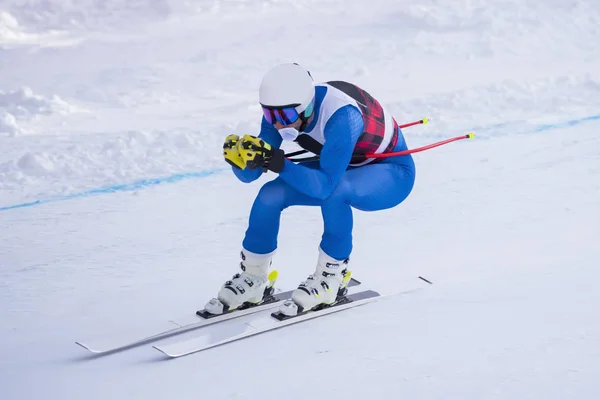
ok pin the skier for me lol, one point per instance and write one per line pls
(342, 123)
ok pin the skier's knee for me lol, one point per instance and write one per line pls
(273, 194)
(341, 194)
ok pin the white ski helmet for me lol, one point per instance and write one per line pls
(288, 85)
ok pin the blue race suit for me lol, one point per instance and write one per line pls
(329, 183)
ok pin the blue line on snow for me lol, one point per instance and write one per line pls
(145, 183)
(565, 124)
(141, 184)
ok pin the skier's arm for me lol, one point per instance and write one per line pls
(341, 133)
(269, 134)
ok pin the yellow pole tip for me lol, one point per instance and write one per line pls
(471, 135)
(425, 120)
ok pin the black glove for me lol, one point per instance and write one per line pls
(257, 153)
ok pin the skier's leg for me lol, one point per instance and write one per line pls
(381, 186)
(368, 188)
(263, 226)
(259, 246)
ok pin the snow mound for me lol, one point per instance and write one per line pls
(64, 164)
(36, 164)
(106, 15)
(86, 14)
(8, 124)
(8, 24)
(506, 106)
(13, 34)
(24, 105)
(10, 31)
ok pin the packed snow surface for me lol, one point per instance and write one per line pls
(117, 212)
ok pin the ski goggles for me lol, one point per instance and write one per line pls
(284, 115)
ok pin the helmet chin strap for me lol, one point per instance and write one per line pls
(304, 120)
(304, 123)
(303, 116)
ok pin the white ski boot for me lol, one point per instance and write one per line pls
(245, 288)
(321, 288)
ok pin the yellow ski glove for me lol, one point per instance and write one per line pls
(257, 153)
(232, 153)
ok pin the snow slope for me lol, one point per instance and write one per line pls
(117, 212)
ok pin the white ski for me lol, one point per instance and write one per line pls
(182, 325)
(198, 344)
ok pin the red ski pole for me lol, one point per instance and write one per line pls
(470, 135)
(422, 121)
